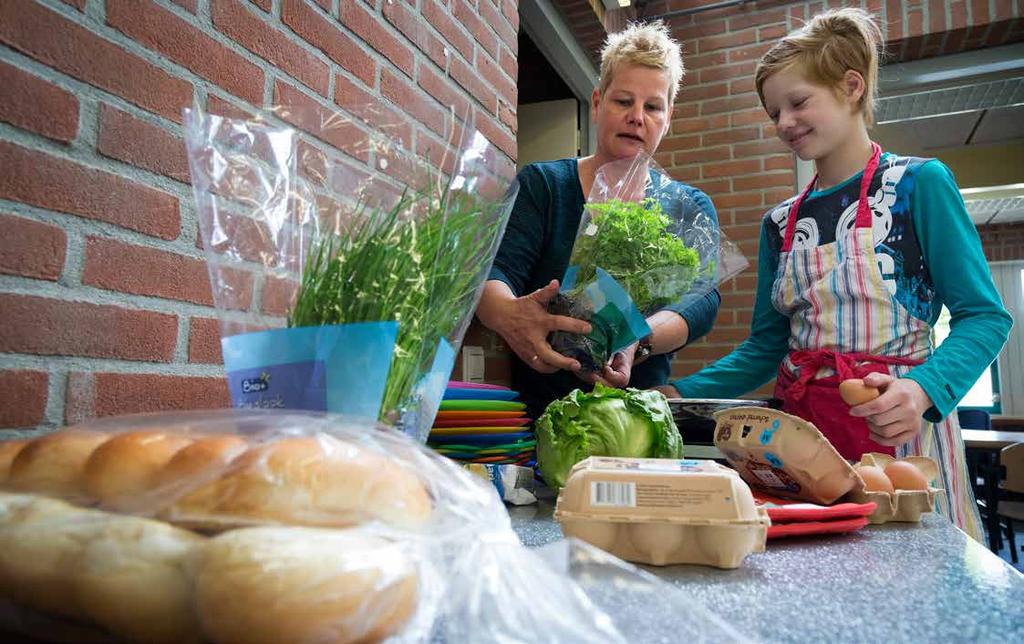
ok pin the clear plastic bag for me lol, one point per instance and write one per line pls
(345, 268)
(643, 245)
(263, 526)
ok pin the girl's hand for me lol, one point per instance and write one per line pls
(526, 323)
(895, 417)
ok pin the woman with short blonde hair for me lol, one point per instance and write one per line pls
(641, 69)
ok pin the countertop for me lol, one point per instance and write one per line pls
(900, 582)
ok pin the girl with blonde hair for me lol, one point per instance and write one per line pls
(854, 271)
(641, 68)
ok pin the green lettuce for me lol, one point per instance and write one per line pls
(605, 422)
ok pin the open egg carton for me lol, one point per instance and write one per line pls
(789, 457)
(662, 511)
(901, 505)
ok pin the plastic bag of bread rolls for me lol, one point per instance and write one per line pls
(253, 526)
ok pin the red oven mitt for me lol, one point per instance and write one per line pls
(793, 518)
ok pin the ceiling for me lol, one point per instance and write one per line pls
(968, 111)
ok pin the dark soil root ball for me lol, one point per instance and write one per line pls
(586, 350)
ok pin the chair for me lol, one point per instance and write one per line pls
(974, 418)
(1011, 459)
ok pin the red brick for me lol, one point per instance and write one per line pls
(204, 341)
(699, 29)
(712, 187)
(51, 39)
(464, 75)
(328, 37)
(162, 31)
(700, 124)
(733, 135)
(510, 9)
(266, 5)
(731, 168)
(95, 395)
(437, 15)
(487, 126)
(467, 15)
(49, 182)
(45, 326)
(365, 25)
(360, 103)
(242, 237)
(766, 180)
(701, 155)
(260, 37)
(738, 200)
(278, 295)
(509, 63)
(492, 17)
(675, 142)
(780, 162)
(24, 398)
(412, 26)
(435, 151)
(771, 34)
(759, 148)
(757, 17)
(408, 98)
(36, 105)
(727, 72)
(703, 92)
(222, 107)
(492, 74)
(116, 266)
(731, 104)
(187, 5)
(126, 138)
(749, 53)
(441, 89)
(507, 115)
(31, 249)
(306, 114)
(706, 60)
(727, 40)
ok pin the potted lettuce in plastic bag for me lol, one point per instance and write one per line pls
(643, 244)
(344, 267)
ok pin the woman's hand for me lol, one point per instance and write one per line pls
(524, 324)
(617, 371)
(895, 417)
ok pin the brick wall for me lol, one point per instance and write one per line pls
(1003, 242)
(722, 142)
(105, 304)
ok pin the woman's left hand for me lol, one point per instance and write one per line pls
(895, 417)
(617, 372)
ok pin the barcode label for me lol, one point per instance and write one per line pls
(622, 495)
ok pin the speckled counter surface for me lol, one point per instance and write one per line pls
(894, 582)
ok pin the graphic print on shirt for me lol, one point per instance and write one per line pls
(831, 216)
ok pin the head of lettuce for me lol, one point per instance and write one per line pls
(604, 422)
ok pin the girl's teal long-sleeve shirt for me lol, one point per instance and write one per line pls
(951, 271)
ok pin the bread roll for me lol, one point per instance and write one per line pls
(53, 464)
(125, 467)
(8, 450)
(310, 481)
(40, 542)
(300, 585)
(135, 579)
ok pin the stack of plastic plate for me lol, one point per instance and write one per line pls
(481, 423)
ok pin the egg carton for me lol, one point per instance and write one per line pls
(662, 511)
(903, 505)
(783, 455)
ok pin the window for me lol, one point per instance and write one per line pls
(984, 394)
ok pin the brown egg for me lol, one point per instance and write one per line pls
(875, 479)
(855, 392)
(905, 476)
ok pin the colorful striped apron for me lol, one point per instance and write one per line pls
(844, 323)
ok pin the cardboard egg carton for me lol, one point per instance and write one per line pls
(903, 505)
(783, 455)
(662, 511)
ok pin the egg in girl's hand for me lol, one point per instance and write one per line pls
(905, 476)
(854, 392)
(875, 479)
